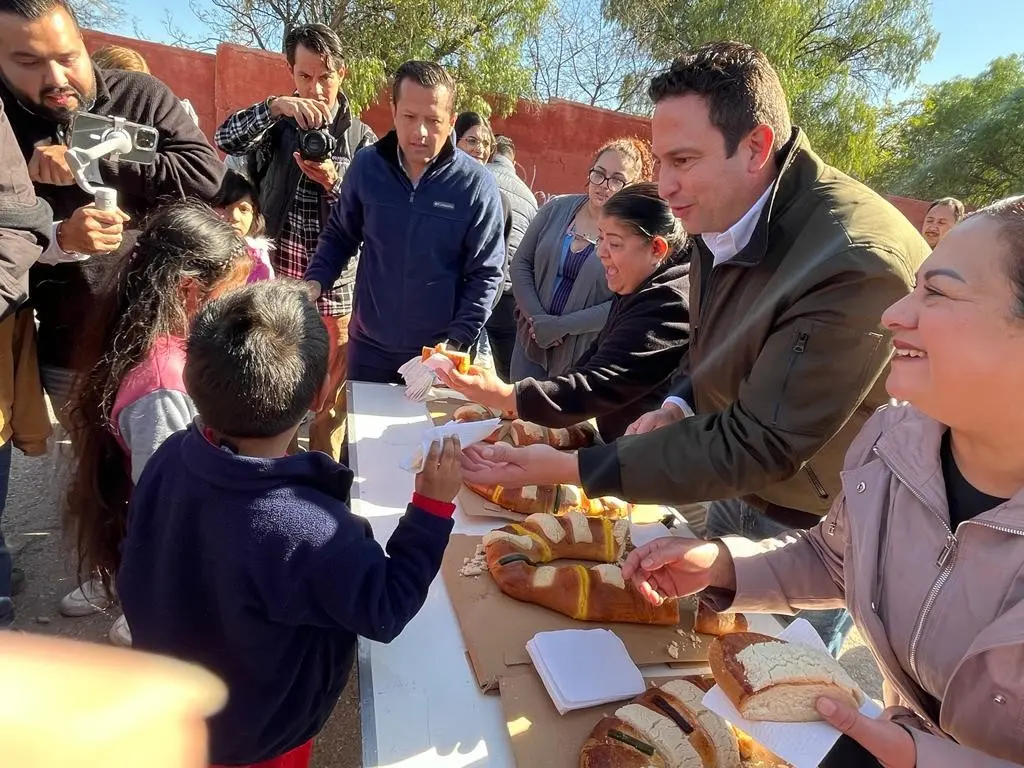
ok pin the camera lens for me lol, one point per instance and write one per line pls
(145, 140)
(315, 145)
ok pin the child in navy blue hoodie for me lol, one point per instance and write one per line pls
(248, 561)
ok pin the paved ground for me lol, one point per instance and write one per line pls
(32, 526)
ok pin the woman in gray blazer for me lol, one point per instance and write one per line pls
(562, 297)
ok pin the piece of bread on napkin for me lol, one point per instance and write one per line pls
(772, 680)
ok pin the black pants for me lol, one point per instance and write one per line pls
(366, 363)
(501, 329)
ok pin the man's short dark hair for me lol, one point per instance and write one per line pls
(256, 359)
(739, 84)
(317, 38)
(952, 202)
(427, 74)
(503, 146)
(34, 10)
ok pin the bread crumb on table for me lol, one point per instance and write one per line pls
(475, 565)
(673, 649)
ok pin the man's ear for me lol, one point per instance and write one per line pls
(761, 145)
(342, 72)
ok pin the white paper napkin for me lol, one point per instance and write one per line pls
(803, 745)
(644, 533)
(584, 668)
(418, 379)
(468, 432)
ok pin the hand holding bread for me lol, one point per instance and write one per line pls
(673, 567)
(481, 385)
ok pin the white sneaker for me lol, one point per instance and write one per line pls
(89, 598)
(120, 634)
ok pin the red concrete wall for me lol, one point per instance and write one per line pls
(191, 75)
(555, 142)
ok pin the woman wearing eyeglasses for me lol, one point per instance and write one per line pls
(473, 135)
(562, 297)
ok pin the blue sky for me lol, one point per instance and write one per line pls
(971, 33)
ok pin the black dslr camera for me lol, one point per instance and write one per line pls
(316, 144)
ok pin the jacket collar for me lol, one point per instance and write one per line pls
(799, 167)
(502, 162)
(910, 444)
(224, 469)
(387, 148)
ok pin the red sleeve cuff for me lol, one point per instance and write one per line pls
(443, 509)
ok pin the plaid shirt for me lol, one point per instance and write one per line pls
(241, 134)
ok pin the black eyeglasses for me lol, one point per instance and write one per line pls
(473, 142)
(614, 183)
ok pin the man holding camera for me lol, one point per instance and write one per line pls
(298, 148)
(46, 78)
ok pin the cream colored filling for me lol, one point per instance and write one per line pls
(544, 576)
(580, 528)
(610, 574)
(766, 664)
(665, 735)
(549, 526)
(524, 543)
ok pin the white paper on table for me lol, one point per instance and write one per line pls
(803, 745)
(644, 533)
(584, 667)
(468, 432)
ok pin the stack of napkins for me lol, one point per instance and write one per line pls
(584, 668)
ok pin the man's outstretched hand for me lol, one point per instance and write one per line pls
(503, 464)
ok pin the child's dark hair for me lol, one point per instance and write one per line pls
(256, 359)
(181, 241)
(236, 188)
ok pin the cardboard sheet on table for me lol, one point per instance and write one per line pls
(477, 506)
(542, 737)
(495, 627)
(441, 411)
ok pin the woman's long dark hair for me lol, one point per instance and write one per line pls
(144, 301)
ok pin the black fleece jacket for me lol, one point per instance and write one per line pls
(186, 166)
(626, 371)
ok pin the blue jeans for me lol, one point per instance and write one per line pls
(6, 606)
(523, 367)
(736, 517)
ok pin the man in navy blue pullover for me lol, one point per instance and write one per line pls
(430, 223)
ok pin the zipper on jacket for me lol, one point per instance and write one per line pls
(945, 561)
(818, 487)
(799, 347)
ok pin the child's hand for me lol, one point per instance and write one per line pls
(441, 476)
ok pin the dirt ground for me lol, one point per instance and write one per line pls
(32, 526)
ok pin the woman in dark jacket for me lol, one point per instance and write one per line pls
(646, 258)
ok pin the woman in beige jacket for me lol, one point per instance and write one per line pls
(926, 544)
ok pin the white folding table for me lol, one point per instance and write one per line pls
(420, 704)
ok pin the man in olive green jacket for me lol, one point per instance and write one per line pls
(797, 262)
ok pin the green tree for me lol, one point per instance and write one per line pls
(963, 137)
(479, 41)
(837, 59)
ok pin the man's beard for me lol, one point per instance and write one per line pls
(61, 115)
